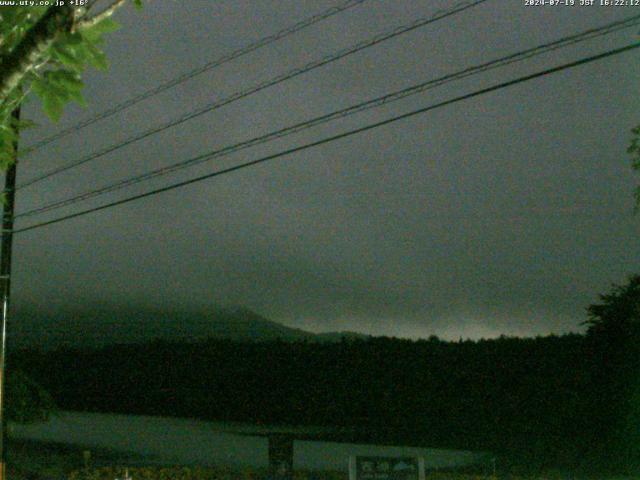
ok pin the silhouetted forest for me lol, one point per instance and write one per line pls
(563, 400)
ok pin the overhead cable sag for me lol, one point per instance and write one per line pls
(439, 15)
(333, 138)
(367, 105)
(251, 47)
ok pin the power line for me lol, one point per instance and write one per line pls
(252, 47)
(374, 103)
(262, 86)
(339, 136)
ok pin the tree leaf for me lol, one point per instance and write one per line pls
(39, 87)
(7, 146)
(93, 33)
(79, 99)
(67, 85)
(65, 79)
(68, 57)
(53, 106)
(97, 58)
(72, 38)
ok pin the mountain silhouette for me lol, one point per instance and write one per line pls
(102, 325)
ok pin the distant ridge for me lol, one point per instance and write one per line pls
(105, 325)
(340, 336)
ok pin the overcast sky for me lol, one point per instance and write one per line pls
(507, 213)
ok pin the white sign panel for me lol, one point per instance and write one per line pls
(386, 468)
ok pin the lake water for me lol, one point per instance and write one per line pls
(162, 440)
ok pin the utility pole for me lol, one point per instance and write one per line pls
(5, 283)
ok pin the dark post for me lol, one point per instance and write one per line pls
(5, 286)
(281, 457)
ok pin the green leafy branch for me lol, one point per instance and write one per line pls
(634, 151)
(45, 51)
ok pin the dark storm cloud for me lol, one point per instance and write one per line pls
(506, 213)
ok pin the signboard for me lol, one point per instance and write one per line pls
(386, 468)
